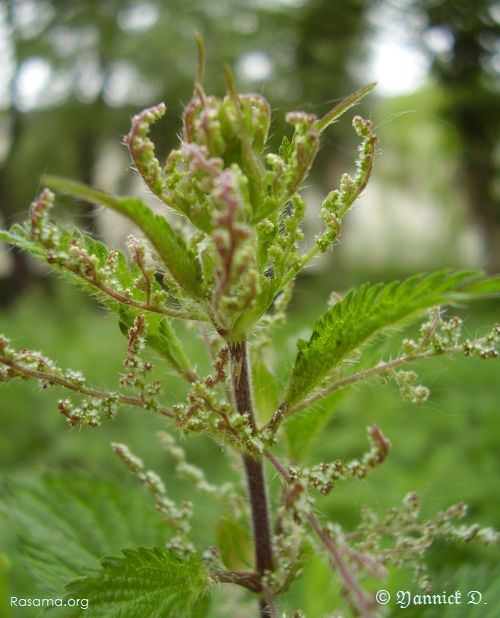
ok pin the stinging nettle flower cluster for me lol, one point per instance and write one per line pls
(242, 202)
(227, 266)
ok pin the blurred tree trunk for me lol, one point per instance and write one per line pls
(20, 275)
(475, 115)
(466, 71)
(77, 123)
(480, 170)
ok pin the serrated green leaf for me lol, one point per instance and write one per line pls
(154, 582)
(285, 149)
(66, 524)
(125, 274)
(369, 310)
(303, 428)
(160, 334)
(170, 246)
(265, 391)
(171, 346)
(318, 591)
(485, 287)
(235, 543)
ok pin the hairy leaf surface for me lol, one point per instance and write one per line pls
(124, 273)
(66, 524)
(154, 582)
(266, 391)
(371, 309)
(169, 245)
(160, 335)
(234, 542)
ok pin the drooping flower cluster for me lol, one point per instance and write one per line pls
(324, 476)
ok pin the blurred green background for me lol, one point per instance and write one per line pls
(74, 72)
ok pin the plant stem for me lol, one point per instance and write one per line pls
(254, 470)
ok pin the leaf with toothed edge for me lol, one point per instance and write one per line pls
(65, 524)
(161, 337)
(146, 581)
(371, 309)
(160, 334)
(169, 245)
(124, 273)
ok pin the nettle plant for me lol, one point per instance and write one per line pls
(227, 266)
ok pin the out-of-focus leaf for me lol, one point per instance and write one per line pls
(66, 524)
(265, 391)
(480, 593)
(160, 334)
(235, 543)
(147, 581)
(304, 427)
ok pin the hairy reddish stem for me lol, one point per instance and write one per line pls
(254, 470)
